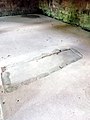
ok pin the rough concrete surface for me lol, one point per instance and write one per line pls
(64, 94)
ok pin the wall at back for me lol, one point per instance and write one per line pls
(75, 12)
(15, 7)
(71, 11)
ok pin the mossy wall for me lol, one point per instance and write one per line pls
(15, 7)
(71, 11)
(75, 12)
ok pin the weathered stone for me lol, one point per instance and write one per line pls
(10, 7)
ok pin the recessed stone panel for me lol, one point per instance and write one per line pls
(37, 68)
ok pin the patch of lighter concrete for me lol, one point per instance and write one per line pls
(1, 112)
(87, 92)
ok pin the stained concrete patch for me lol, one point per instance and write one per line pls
(33, 16)
(39, 67)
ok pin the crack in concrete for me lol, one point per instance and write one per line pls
(56, 51)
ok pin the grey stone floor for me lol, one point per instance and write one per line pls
(63, 95)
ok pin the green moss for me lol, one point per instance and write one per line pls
(69, 14)
(85, 21)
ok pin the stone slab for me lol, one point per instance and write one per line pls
(39, 67)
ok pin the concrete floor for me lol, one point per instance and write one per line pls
(63, 95)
